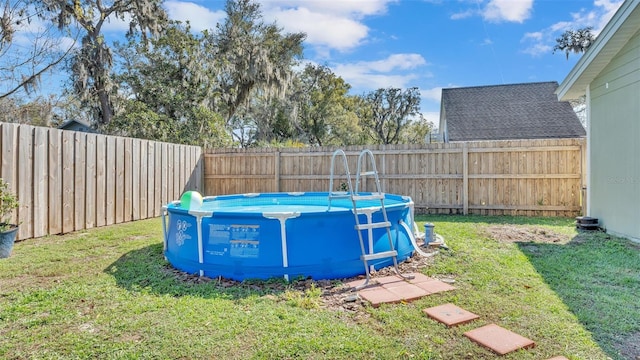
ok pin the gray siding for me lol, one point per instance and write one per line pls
(614, 147)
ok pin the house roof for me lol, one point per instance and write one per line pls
(70, 124)
(514, 111)
(618, 31)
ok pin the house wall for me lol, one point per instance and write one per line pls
(614, 148)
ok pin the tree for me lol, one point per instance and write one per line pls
(251, 56)
(22, 66)
(322, 109)
(576, 41)
(416, 131)
(388, 111)
(270, 121)
(170, 86)
(92, 63)
(37, 111)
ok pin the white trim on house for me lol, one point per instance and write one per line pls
(611, 39)
(587, 166)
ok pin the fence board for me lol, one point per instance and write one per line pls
(152, 182)
(119, 181)
(164, 178)
(101, 180)
(144, 178)
(68, 181)
(111, 169)
(40, 182)
(80, 177)
(55, 181)
(136, 168)
(25, 180)
(90, 181)
(128, 180)
(161, 178)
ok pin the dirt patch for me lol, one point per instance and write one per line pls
(629, 346)
(335, 294)
(514, 233)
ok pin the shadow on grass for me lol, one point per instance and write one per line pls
(146, 271)
(598, 278)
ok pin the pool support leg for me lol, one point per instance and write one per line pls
(282, 217)
(199, 214)
(200, 245)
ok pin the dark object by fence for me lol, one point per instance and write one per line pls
(587, 223)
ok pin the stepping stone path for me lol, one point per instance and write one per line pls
(498, 339)
(450, 315)
(394, 289)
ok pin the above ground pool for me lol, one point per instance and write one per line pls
(286, 235)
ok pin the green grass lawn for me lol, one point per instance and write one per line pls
(108, 293)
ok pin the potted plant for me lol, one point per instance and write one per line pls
(8, 232)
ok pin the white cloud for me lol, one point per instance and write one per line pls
(114, 24)
(463, 15)
(388, 72)
(486, 41)
(536, 44)
(397, 61)
(323, 29)
(432, 117)
(538, 49)
(377, 81)
(353, 8)
(328, 24)
(542, 42)
(198, 16)
(40, 34)
(508, 10)
(533, 35)
(433, 94)
(609, 9)
(597, 17)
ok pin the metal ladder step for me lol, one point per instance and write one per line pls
(379, 255)
(372, 196)
(384, 224)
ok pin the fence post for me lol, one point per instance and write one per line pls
(465, 179)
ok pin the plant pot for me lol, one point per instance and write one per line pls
(7, 239)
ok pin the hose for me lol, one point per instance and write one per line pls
(413, 241)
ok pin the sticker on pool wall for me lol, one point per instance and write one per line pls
(182, 227)
(236, 240)
(245, 241)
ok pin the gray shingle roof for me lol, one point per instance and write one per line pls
(514, 111)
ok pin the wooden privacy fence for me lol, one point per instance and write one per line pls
(68, 180)
(527, 177)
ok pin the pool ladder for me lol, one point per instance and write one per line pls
(367, 211)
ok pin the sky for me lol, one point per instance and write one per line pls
(428, 44)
